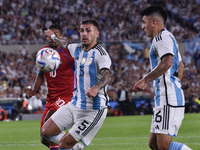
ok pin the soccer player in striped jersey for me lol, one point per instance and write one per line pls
(167, 71)
(87, 111)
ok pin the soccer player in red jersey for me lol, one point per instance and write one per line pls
(60, 83)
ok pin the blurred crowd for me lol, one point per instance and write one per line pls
(25, 20)
(17, 71)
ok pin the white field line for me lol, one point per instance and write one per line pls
(133, 143)
(120, 138)
(14, 145)
(37, 143)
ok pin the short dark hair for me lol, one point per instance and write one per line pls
(154, 9)
(56, 26)
(92, 21)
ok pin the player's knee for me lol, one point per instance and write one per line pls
(66, 142)
(45, 133)
(153, 146)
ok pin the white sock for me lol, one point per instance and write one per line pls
(57, 138)
(178, 146)
(185, 147)
(78, 146)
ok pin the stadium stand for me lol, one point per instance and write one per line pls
(25, 21)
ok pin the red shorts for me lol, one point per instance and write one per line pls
(53, 105)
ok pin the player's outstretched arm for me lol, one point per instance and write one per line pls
(106, 76)
(38, 82)
(61, 40)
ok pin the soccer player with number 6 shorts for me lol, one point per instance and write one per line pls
(60, 83)
(166, 74)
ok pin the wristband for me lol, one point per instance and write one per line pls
(53, 36)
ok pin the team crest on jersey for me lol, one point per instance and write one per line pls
(83, 61)
(90, 60)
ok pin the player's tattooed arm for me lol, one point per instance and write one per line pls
(62, 41)
(164, 65)
(106, 76)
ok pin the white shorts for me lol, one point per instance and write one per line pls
(85, 123)
(167, 120)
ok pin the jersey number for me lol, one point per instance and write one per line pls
(53, 74)
(81, 72)
(83, 125)
(158, 117)
(60, 102)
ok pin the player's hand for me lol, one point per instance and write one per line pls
(29, 92)
(92, 92)
(139, 86)
(48, 32)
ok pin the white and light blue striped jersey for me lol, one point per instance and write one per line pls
(168, 86)
(88, 65)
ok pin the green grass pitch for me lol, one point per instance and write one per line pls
(117, 133)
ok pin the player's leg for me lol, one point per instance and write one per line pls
(176, 117)
(43, 120)
(163, 141)
(165, 124)
(62, 119)
(85, 127)
(153, 141)
(51, 145)
(67, 141)
(50, 130)
(59, 121)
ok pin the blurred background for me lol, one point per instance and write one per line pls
(22, 25)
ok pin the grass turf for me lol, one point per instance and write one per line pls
(117, 133)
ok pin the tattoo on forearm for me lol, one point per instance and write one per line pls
(106, 76)
(159, 70)
(62, 41)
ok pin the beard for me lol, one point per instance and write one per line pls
(86, 45)
(53, 45)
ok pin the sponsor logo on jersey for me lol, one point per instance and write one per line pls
(78, 132)
(157, 127)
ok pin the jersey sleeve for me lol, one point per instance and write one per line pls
(72, 48)
(164, 45)
(103, 60)
(179, 56)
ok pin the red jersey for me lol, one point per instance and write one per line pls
(60, 82)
